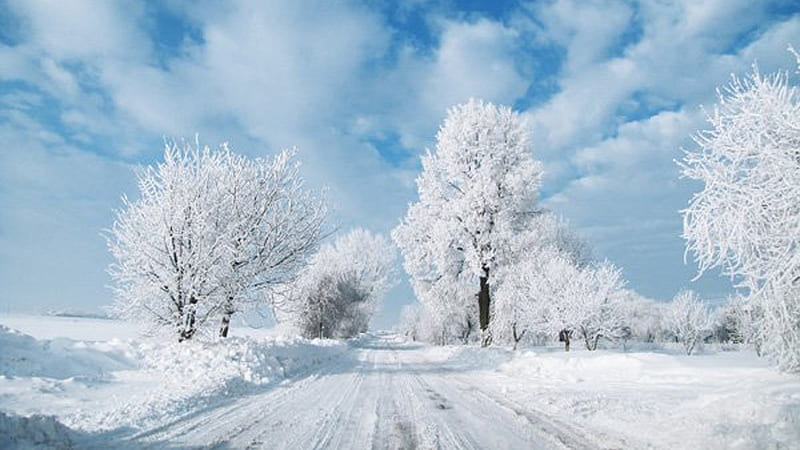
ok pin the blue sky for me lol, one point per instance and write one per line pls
(611, 89)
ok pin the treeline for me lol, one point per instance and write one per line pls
(489, 264)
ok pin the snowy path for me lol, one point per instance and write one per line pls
(387, 395)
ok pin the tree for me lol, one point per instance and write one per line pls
(270, 223)
(645, 316)
(476, 191)
(596, 304)
(687, 319)
(167, 244)
(338, 293)
(748, 316)
(210, 230)
(745, 220)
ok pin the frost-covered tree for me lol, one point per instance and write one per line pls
(167, 245)
(533, 292)
(210, 230)
(748, 318)
(536, 296)
(745, 219)
(645, 317)
(687, 319)
(339, 292)
(270, 224)
(595, 306)
(476, 192)
(410, 318)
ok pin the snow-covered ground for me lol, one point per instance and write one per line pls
(105, 385)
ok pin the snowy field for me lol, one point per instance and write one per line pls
(105, 386)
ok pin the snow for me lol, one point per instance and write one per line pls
(261, 389)
(665, 400)
(115, 384)
(78, 328)
(34, 432)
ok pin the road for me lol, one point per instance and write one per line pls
(385, 395)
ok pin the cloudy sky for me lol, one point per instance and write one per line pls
(612, 90)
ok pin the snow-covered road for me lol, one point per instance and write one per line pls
(384, 394)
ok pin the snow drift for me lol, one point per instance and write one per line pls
(132, 384)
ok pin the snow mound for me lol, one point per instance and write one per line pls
(40, 432)
(192, 375)
(24, 356)
(718, 401)
(577, 366)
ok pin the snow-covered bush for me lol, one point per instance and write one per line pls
(687, 319)
(745, 218)
(338, 293)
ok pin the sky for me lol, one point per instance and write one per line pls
(611, 90)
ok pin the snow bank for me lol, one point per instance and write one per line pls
(34, 432)
(192, 375)
(94, 386)
(663, 400)
(577, 367)
(24, 356)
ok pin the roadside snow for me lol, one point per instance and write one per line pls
(34, 432)
(663, 400)
(114, 384)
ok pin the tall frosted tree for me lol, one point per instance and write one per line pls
(477, 190)
(746, 218)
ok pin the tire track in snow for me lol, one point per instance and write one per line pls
(392, 397)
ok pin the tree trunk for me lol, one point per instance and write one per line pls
(587, 340)
(483, 309)
(517, 337)
(188, 326)
(226, 318)
(596, 340)
(563, 336)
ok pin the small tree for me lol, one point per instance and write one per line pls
(687, 318)
(338, 293)
(210, 230)
(749, 317)
(596, 307)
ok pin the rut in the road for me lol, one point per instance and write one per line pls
(385, 395)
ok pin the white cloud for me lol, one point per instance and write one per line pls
(82, 29)
(272, 75)
(588, 30)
